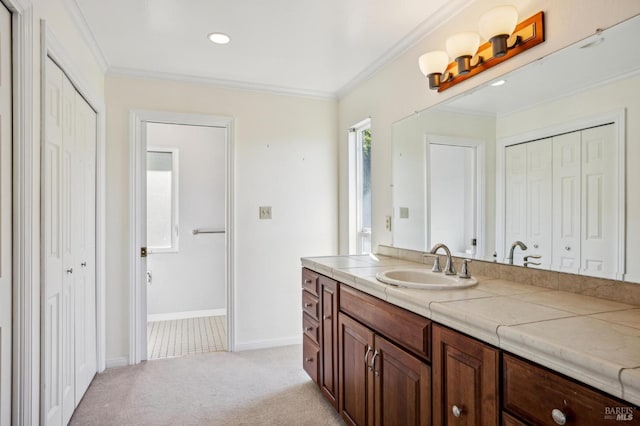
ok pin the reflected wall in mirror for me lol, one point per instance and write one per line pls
(593, 84)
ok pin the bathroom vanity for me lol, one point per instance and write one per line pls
(500, 352)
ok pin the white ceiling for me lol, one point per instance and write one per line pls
(317, 47)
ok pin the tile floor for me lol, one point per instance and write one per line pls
(172, 338)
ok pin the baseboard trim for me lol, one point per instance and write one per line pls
(186, 314)
(121, 361)
(264, 344)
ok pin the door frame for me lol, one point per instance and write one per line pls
(137, 166)
(479, 147)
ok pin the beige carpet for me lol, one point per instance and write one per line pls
(171, 338)
(263, 387)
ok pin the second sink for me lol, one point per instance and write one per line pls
(424, 279)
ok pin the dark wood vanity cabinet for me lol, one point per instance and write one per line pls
(465, 380)
(320, 332)
(535, 395)
(381, 382)
(380, 364)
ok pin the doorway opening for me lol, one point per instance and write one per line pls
(182, 292)
(186, 177)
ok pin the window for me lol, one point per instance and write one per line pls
(162, 200)
(361, 136)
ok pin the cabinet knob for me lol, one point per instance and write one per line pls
(308, 305)
(536, 245)
(309, 359)
(457, 411)
(83, 264)
(307, 281)
(70, 271)
(326, 317)
(558, 416)
(308, 329)
(567, 248)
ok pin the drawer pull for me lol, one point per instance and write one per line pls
(309, 359)
(307, 281)
(308, 305)
(326, 317)
(558, 416)
(457, 411)
(308, 329)
(366, 356)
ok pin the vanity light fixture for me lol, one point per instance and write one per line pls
(433, 66)
(219, 38)
(462, 47)
(496, 26)
(505, 38)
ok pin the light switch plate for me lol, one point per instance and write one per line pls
(404, 212)
(265, 212)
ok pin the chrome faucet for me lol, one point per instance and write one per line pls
(515, 244)
(448, 268)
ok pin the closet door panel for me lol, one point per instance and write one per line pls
(85, 302)
(538, 193)
(566, 202)
(515, 202)
(69, 224)
(599, 202)
(51, 398)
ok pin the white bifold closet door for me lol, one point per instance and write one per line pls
(69, 297)
(5, 215)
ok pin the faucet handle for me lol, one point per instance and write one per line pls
(532, 256)
(464, 269)
(436, 262)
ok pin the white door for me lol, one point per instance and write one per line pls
(599, 202)
(515, 199)
(538, 239)
(84, 204)
(5, 215)
(566, 228)
(51, 401)
(68, 241)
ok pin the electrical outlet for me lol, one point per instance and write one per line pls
(265, 212)
(388, 223)
(404, 212)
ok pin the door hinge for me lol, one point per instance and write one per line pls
(143, 252)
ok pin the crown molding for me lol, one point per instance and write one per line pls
(222, 83)
(88, 36)
(428, 26)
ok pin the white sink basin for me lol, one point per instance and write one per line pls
(424, 279)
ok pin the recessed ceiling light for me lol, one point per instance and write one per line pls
(219, 38)
(498, 83)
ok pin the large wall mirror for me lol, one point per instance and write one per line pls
(538, 169)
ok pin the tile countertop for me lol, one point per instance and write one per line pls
(594, 341)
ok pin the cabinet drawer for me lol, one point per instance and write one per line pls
(310, 358)
(532, 393)
(310, 304)
(508, 420)
(310, 328)
(310, 281)
(409, 330)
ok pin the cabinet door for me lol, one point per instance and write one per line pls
(329, 339)
(402, 386)
(356, 384)
(465, 380)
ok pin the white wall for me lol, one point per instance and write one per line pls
(193, 278)
(285, 157)
(399, 89)
(602, 100)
